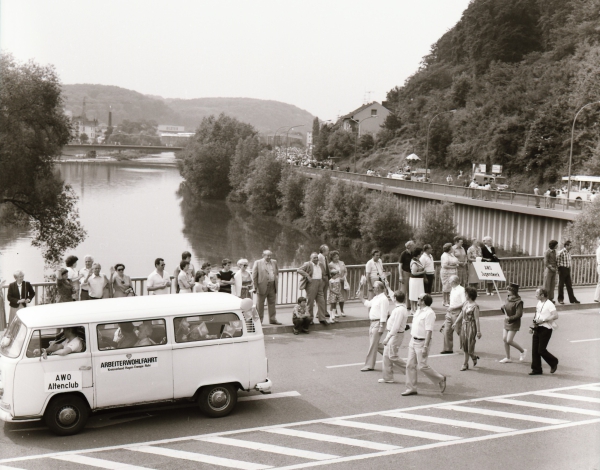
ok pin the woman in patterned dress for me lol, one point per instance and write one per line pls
(449, 267)
(471, 331)
(336, 264)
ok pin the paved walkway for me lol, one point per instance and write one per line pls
(357, 314)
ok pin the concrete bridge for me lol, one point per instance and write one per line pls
(147, 148)
(511, 219)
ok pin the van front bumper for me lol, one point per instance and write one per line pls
(8, 418)
(264, 387)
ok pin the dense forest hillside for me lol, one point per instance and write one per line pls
(516, 72)
(265, 116)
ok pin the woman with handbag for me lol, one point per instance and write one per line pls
(335, 264)
(544, 322)
(121, 283)
(513, 311)
(416, 287)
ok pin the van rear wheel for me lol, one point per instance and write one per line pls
(67, 415)
(217, 400)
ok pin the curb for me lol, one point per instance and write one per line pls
(356, 323)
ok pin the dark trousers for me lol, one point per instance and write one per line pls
(541, 338)
(405, 286)
(271, 297)
(550, 282)
(301, 323)
(314, 292)
(428, 282)
(564, 280)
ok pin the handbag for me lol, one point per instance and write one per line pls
(346, 284)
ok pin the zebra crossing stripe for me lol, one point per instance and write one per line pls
(94, 462)
(503, 414)
(316, 436)
(451, 422)
(394, 430)
(544, 406)
(568, 397)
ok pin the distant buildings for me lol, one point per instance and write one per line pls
(367, 119)
(173, 136)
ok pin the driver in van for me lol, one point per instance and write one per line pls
(127, 337)
(72, 344)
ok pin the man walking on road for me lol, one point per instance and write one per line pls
(457, 299)
(378, 314)
(396, 324)
(544, 322)
(312, 283)
(550, 269)
(563, 261)
(418, 348)
(265, 274)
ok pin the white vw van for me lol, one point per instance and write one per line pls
(59, 362)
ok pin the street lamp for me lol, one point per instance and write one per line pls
(427, 147)
(275, 136)
(287, 144)
(357, 134)
(571, 153)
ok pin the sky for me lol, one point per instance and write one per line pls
(327, 57)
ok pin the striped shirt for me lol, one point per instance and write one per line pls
(563, 259)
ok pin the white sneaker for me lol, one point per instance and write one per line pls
(523, 355)
(505, 360)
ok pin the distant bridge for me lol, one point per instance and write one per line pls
(511, 219)
(148, 148)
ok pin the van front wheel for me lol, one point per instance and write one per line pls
(217, 400)
(66, 415)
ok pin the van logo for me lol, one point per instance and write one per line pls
(128, 356)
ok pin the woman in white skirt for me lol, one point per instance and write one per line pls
(417, 274)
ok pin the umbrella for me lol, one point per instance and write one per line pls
(413, 156)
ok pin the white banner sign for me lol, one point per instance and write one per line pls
(489, 271)
(67, 381)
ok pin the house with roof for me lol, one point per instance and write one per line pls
(366, 120)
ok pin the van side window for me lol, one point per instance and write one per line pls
(131, 334)
(57, 341)
(206, 327)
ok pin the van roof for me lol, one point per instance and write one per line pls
(127, 309)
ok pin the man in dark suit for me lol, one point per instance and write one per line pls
(550, 271)
(20, 293)
(313, 274)
(264, 276)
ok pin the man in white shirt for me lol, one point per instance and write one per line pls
(544, 322)
(88, 261)
(159, 281)
(96, 283)
(378, 313)
(457, 299)
(396, 324)
(418, 348)
(374, 271)
(597, 294)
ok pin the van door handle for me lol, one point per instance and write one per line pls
(85, 368)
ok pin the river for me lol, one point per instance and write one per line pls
(133, 214)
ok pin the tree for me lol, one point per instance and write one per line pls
(585, 229)
(33, 130)
(341, 211)
(437, 226)
(384, 222)
(291, 187)
(245, 153)
(316, 126)
(261, 185)
(366, 142)
(83, 138)
(206, 160)
(341, 144)
(320, 152)
(392, 122)
(312, 203)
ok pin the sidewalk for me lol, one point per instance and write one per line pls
(358, 315)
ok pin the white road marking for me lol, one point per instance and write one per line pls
(451, 422)
(584, 340)
(99, 463)
(393, 430)
(504, 414)
(203, 458)
(544, 406)
(4, 467)
(437, 445)
(379, 362)
(305, 454)
(272, 395)
(568, 397)
(594, 388)
(325, 421)
(333, 439)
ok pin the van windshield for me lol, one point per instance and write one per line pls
(13, 339)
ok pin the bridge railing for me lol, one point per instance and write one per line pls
(528, 272)
(503, 197)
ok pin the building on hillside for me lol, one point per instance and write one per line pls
(366, 120)
(173, 136)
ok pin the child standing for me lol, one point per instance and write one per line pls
(300, 317)
(334, 295)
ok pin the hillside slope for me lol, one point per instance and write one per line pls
(265, 115)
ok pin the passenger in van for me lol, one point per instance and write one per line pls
(183, 330)
(71, 344)
(127, 337)
(144, 333)
(200, 333)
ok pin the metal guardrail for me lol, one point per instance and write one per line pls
(528, 272)
(502, 197)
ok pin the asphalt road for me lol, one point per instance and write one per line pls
(336, 402)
